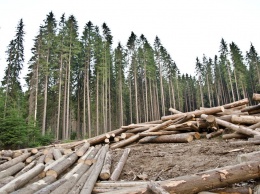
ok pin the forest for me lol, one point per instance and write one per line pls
(81, 84)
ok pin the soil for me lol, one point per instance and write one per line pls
(169, 160)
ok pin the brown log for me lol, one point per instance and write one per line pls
(41, 159)
(36, 186)
(256, 97)
(254, 126)
(177, 138)
(180, 127)
(197, 113)
(196, 135)
(156, 188)
(126, 135)
(49, 156)
(212, 124)
(116, 173)
(26, 168)
(254, 112)
(16, 154)
(201, 123)
(236, 190)
(7, 153)
(204, 181)
(250, 108)
(174, 111)
(101, 138)
(236, 103)
(133, 126)
(84, 157)
(215, 134)
(62, 166)
(245, 119)
(33, 157)
(234, 136)
(14, 161)
(11, 170)
(138, 130)
(22, 180)
(158, 133)
(56, 153)
(105, 172)
(92, 179)
(83, 149)
(240, 129)
(109, 184)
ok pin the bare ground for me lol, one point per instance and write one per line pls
(169, 160)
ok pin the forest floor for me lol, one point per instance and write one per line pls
(170, 160)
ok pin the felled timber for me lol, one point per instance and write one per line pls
(156, 188)
(14, 161)
(214, 134)
(106, 169)
(243, 143)
(234, 135)
(204, 181)
(12, 170)
(236, 103)
(249, 120)
(177, 138)
(248, 157)
(174, 111)
(115, 175)
(159, 133)
(256, 97)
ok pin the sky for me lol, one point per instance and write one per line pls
(186, 28)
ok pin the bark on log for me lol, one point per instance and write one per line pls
(105, 172)
(36, 186)
(174, 111)
(204, 181)
(177, 138)
(254, 126)
(119, 167)
(211, 121)
(33, 157)
(159, 133)
(109, 184)
(196, 135)
(91, 157)
(7, 153)
(51, 187)
(26, 168)
(41, 159)
(243, 143)
(56, 154)
(197, 113)
(236, 103)
(62, 166)
(215, 134)
(101, 138)
(84, 157)
(138, 130)
(156, 188)
(250, 108)
(5, 180)
(250, 120)
(49, 156)
(248, 157)
(22, 180)
(256, 97)
(12, 170)
(83, 149)
(234, 136)
(14, 161)
(89, 185)
(240, 129)
(126, 135)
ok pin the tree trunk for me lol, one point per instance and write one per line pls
(234, 136)
(14, 161)
(83, 149)
(156, 188)
(176, 138)
(115, 175)
(248, 157)
(250, 120)
(22, 180)
(59, 100)
(215, 134)
(256, 97)
(12, 170)
(105, 172)
(236, 103)
(45, 98)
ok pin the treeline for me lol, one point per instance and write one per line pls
(80, 86)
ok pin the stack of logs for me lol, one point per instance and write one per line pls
(77, 166)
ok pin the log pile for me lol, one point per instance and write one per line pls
(77, 167)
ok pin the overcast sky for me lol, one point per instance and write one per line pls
(187, 28)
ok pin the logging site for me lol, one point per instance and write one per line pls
(205, 151)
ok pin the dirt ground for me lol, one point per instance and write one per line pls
(169, 160)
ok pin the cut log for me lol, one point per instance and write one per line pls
(251, 108)
(240, 129)
(105, 172)
(250, 120)
(158, 133)
(215, 134)
(90, 159)
(174, 111)
(49, 156)
(5, 180)
(84, 157)
(41, 159)
(119, 167)
(7, 153)
(101, 138)
(254, 126)
(11, 170)
(56, 153)
(62, 166)
(243, 143)
(256, 97)
(51, 187)
(26, 168)
(109, 184)
(156, 188)
(20, 181)
(212, 124)
(197, 113)
(236, 103)
(36, 186)
(196, 135)
(177, 138)
(14, 161)
(126, 135)
(5, 158)
(248, 157)
(83, 149)
(205, 181)
(33, 157)
(234, 136)
(92, 179)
